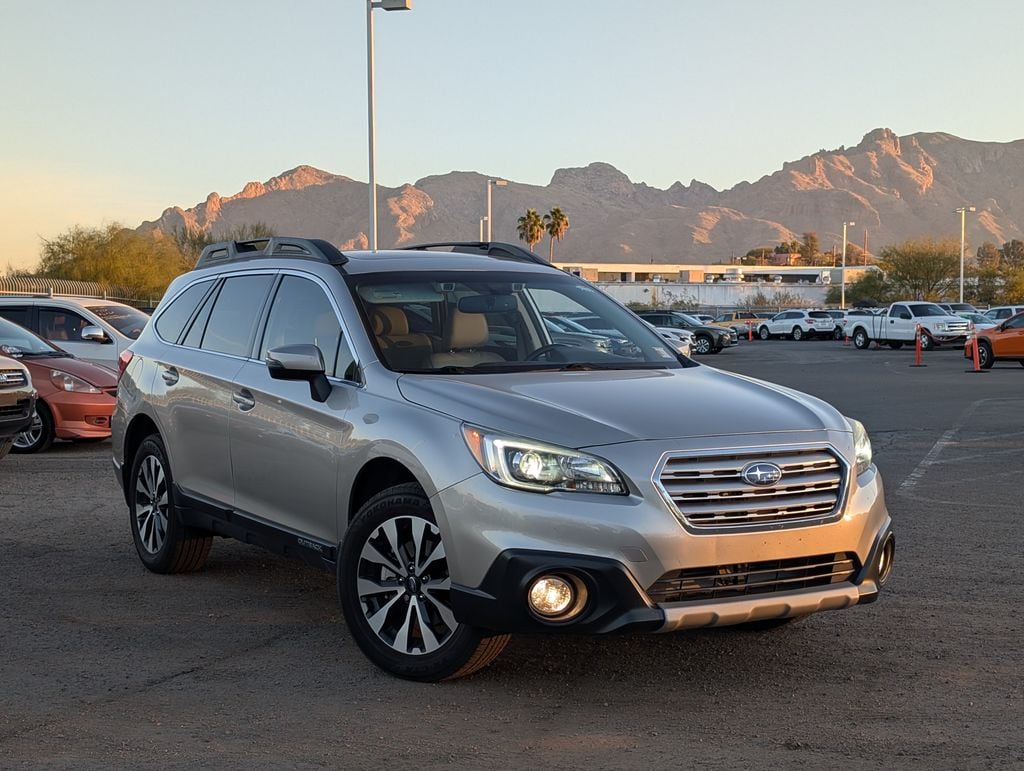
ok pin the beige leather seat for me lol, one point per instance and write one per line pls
(465, 333)
(401, 349)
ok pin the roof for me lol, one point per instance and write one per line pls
(81, 302)
(420, 260)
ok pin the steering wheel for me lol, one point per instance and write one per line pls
(544, 350)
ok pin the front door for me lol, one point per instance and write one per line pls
(64, 328)
(1010, 341)
(286, 448)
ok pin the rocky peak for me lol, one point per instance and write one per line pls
(597, 179)
(881, 139)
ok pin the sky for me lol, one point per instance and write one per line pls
(113, 110)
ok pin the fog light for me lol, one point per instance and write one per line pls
(885, 560)
(552, 596)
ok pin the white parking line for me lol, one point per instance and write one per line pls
(944, 441)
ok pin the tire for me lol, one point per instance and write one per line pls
(163, 543)
(6, 444)
(379, 556)
(40, 434)
(861, 339)
(764, 334)
(896, 345)
(927, 343)
(702, 344)
(985, 357)
(767, 624)
(797, 333)
(837, 333)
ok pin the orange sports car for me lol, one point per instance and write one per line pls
(1005, 341)
(76, 398)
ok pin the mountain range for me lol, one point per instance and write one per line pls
(897, 187)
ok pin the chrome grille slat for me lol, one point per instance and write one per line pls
(723, 581)
(708, 491)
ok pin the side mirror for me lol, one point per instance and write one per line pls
(94, 334)
(300, 362)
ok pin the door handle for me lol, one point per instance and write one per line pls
(243, 400)
(170, 375)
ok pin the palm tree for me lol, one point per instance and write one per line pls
(530, 228)
(556, 222)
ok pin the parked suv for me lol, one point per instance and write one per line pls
(706, 338)
(94, 330)
(475, 478)
(17, 402)
(799, 325)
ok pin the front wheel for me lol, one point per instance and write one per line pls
(837, 333)
(395, 592)
(702, 344)
(38, 436)
(861, 339)
(927, 343)
(985, 357)
(763, 333)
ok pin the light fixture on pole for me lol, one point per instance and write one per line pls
(842, 278)
(387, 5)
(496, 183)
(962, 211)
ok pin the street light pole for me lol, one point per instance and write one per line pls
(842, 278)
(387, 5)
(496, 183)
(962, 211)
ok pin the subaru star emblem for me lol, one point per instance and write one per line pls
(761, 474)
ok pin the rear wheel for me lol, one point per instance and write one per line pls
(797, 333)
(985, 357)
(702, 344)
(164, 544)
(837, 333)
(38, 436)
(763, 333)
(861, 339)
(395, 592)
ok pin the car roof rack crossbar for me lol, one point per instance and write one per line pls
(316, 249)
(497, 249)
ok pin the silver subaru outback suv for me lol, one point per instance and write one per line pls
(405, 419)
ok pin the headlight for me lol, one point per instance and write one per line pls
(539, 467)
(940, 326)
(861, 446)
(66, 382)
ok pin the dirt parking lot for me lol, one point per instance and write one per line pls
(249, 664)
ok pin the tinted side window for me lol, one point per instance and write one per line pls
(234, 314)
(59, 324)
(173, 319)
(16, 313)
(301, 313)
(1015, 323)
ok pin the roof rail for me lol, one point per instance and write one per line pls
(224, 252)
(498, 249)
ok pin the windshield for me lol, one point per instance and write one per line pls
(126, 320)
(16, 341)
(690, 319)
(927, 309)
(473, 322)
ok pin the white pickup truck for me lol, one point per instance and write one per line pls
(898, 325)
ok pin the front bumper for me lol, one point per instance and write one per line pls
(501, 539)
(81, 416)
(16, 413)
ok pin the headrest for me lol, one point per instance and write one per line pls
(389, 321)
(467, 330)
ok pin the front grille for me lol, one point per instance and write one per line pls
(19, 410)
(956, 328)
(750, 578)
(708, 491)
(11, 378)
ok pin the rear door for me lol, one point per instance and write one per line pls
(286, 448)
(194, 386)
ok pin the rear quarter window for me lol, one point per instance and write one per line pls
(172, 320)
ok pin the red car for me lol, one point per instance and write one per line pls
(76, 398)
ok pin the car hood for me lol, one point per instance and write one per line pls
(584, 409)
(94, 374)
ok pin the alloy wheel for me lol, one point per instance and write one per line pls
(404, 587)
(702, 344)
(151, 504)
(30, 436)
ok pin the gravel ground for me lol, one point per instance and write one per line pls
(249, 663)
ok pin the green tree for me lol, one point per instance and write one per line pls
(988, 255)
(871, 287)
(530, 228)
(1012, 254)
(556, 223)
(809, 248)
(923, 268)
